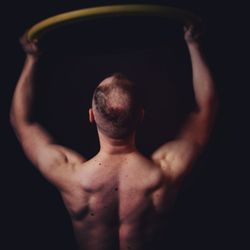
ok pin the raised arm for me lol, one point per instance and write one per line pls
(178, 156)
(53, 161)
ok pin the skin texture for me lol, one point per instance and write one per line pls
(117, 199)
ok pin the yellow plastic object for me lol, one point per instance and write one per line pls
(36, 31)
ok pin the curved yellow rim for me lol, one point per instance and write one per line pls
(36, 31)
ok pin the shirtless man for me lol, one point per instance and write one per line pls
(117, 199)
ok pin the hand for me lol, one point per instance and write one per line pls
(30, 47)
(192, 33)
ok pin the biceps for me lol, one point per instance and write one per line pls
(48, 157)
(54, 162)
(35, 141)
(184, 160)
(33, 138)
(53, 165)
(38, 147)
(176, 158)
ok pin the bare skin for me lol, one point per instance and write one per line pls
(117, 199)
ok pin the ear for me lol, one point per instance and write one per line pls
(91, 116)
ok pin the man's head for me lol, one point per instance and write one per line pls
(116, 107)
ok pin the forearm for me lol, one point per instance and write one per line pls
(22, 107)
(203, 82)
(22, 103)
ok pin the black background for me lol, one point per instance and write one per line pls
(210, 209)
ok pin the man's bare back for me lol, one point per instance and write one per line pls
(118, 202)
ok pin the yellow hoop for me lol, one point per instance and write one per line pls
(36, 31)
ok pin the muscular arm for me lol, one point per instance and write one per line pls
(177, 157)
(53, 161)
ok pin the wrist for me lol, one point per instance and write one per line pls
(193, 44)
(32, 58)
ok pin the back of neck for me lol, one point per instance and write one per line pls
(117, 146)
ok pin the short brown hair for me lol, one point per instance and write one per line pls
(118, 106)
